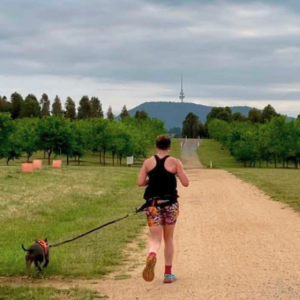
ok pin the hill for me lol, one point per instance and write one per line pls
(173, 113)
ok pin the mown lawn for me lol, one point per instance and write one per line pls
(62, 203)
(280, 184)
(21, 293)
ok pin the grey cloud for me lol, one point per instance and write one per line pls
(234, 43)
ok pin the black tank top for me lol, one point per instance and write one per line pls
(162, 183)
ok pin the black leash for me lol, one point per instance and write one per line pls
(150, 202)
(142, 208)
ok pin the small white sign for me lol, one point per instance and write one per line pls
(129, 160)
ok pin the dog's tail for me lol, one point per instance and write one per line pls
(24, 248)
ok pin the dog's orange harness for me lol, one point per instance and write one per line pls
(44, 245)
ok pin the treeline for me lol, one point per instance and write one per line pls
(30, 107)
(74, 138)
(252, 143)
(192, 126)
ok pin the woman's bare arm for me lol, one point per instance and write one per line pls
(142, 179)
(181, 174)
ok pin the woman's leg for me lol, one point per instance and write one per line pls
(169, 245)
(156, 233)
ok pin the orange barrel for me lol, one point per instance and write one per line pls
(37, 164)
(27, 168)
(56, 164)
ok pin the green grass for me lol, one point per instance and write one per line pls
(175, 149)
(280, 184)
(211, 150)
(21, 293)
(60, 204)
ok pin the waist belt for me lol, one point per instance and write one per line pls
(158, 202)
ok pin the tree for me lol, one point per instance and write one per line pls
(124, 113)
(70, 109)
(16, 105)
(96, 108)
(30, 107)
(7, 127)
(54, 136)
(254, 115)
(45, 105)
(268, 112)
(190, 126)
(224, 115)
(57, 108)
(80, 133)
(100, 137)
(28, 135)
(84, 109)
(109, 114)
(5, 106)
(237, 117)
(14, 146)
(220, 113)
(141, 115)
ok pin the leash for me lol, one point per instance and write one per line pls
(142, 208)
(150, 202)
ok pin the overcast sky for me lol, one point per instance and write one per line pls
(128, 52)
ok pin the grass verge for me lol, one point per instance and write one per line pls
(280, 184)
(21, 293)
(59, 204)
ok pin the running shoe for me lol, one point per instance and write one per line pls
(148, 273)
(169, 278)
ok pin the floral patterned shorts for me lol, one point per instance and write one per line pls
(159, 216)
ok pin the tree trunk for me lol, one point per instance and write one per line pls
(267, 163)
(120, 160)
(49, 157)
(7, 161)
(113, 157)
(78, 160)
(104, 152)
(275, 161)
(67, 160)
(28, 158)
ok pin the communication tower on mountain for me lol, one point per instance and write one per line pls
(181, 95)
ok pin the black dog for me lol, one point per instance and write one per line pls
(38, 253)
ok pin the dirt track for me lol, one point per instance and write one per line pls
(232, 242)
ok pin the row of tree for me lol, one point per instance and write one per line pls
(31, 107)
(254, 115)
(192, 126)
(61, 136)
(275, 141)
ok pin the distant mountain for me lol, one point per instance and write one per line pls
(174, 113)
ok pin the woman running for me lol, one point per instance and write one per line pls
(161, 171)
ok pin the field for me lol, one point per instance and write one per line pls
(21, 293)
(280, 184)
(62, 203)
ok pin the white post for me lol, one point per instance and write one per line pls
(211, 165)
